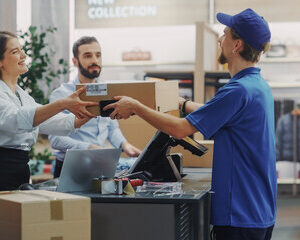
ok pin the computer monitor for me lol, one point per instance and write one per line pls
(155, 161)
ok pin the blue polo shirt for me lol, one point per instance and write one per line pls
(240, 118)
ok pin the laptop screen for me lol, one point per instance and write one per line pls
(81, 166)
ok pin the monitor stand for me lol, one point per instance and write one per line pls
(168, 169)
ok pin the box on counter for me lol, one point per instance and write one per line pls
(159, 95)
(44, 215)
(191, 160)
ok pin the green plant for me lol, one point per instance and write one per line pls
(41, 69)
(45, 155)
(37, 160)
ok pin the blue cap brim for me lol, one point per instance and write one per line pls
(225, 19)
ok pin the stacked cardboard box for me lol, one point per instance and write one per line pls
(44, 215)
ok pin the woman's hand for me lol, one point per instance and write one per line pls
(77, 106)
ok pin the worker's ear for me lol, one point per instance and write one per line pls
(75, 62)
(238, 45)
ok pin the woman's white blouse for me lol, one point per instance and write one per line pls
(16, 130)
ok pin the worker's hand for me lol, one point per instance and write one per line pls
(130, 150)
(77, 106)
(295, 112)
(123, 108)
(94, 146)
(80, 121)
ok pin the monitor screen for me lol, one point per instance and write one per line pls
(153, 158)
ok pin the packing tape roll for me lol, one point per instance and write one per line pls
(104, 186)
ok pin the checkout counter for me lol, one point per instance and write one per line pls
(148, 216)
(152, 215)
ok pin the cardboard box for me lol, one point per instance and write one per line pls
(191, 160)
(138, 132)
(159, 95)
(44, 215)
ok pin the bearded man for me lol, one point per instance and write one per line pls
(87, 59)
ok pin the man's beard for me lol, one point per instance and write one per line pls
(86, 73)
(222, 59)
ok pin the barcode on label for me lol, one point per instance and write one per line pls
(96, 89)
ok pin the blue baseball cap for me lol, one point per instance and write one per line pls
(251, 27)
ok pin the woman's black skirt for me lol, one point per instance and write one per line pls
(14, 169)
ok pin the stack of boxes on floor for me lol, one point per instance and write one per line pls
(44, 215)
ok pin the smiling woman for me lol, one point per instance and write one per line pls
(21, 118)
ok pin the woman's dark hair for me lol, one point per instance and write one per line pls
(249, 53)
(81, 41)
(4, 37)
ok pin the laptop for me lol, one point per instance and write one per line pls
(81, 166)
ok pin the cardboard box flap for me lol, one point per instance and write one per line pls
(165, 91)
(36, 196)
(44, 206)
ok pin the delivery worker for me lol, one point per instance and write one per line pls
(240, 118)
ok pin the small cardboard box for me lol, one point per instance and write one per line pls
(159, 95)
(191, 160)
(138, 132)
(44, 215)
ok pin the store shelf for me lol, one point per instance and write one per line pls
(280, 60)
(217, 75)
(288, 181)
(145, 63)
(284, 84)
(169, 75)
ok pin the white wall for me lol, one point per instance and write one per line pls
(171, 44)
(23, 15)
(8, 21)
(168, 45)
(282, 33)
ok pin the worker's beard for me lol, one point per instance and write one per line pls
(222, 59)
(86, 73)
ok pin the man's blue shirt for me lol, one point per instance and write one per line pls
(96, 131)
(240, 118)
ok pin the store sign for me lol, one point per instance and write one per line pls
(126, 13)
(107, 9)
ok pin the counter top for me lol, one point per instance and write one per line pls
(196, 184)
